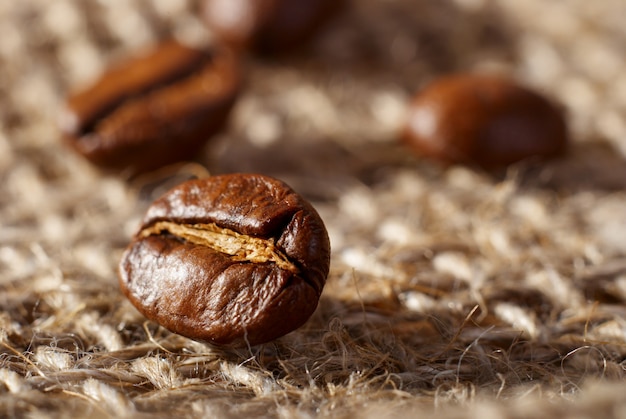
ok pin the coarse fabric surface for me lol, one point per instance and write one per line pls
(452, 293)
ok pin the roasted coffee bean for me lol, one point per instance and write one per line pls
(269, 26)
(153, 109)
(483, 120)
(230, 260)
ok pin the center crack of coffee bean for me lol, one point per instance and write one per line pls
(240, 247)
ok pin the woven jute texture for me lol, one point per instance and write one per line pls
(452, 293)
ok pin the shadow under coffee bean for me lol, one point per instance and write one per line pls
(230, 260)
(153, 109)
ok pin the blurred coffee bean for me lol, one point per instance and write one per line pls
(269, 26)
(483, 120)
(153, 109)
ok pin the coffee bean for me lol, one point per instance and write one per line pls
(231, 260)
(153, 109)
(484, 120)
(267, 25)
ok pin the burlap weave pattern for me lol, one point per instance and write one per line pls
(452, 292)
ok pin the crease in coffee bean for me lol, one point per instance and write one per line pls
(240, 247)
(186, 72)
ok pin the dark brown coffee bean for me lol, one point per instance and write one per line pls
(267, 25)
(231, 260)
(153, 109)
(484, 120)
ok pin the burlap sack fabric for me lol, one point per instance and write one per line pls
(452, 292)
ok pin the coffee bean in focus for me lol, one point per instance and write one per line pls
(153, 109)
(231, 260)
(483, 120)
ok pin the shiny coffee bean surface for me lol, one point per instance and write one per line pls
(484, 120)
(153, 109)
(269, 26)
(232, 260)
